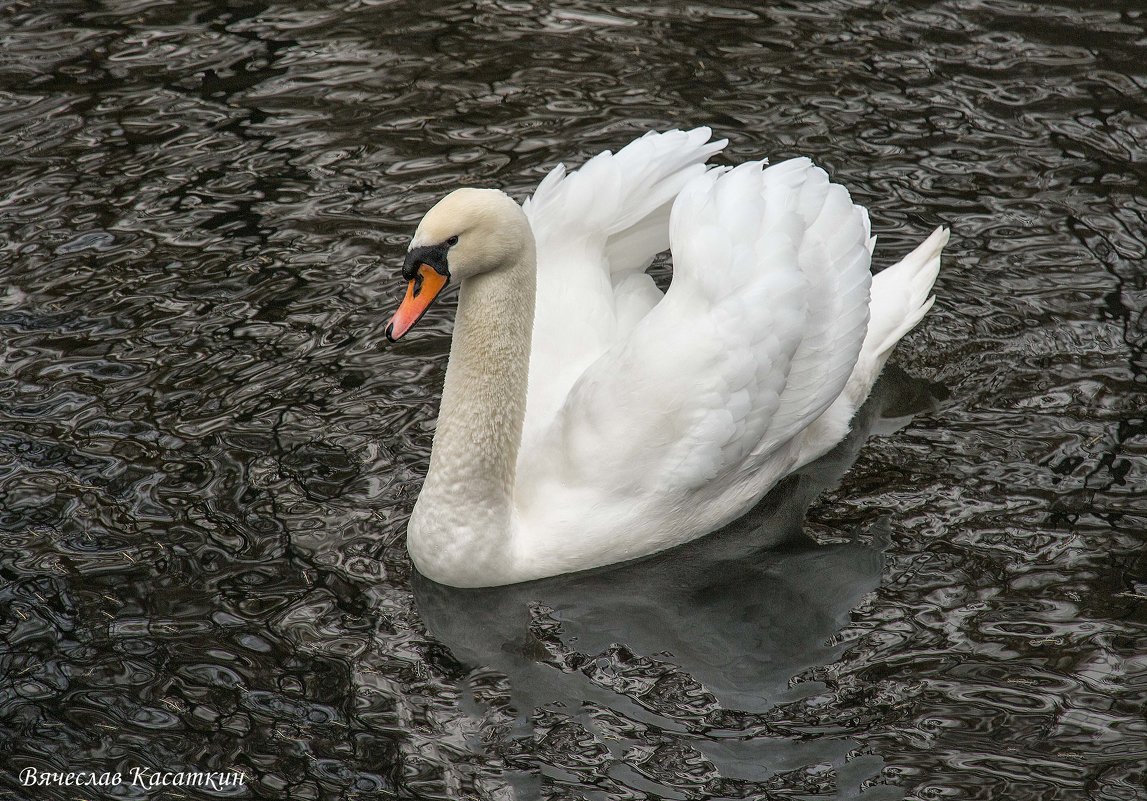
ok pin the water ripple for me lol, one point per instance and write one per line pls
(208, 453)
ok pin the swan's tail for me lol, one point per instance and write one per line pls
(901, 296)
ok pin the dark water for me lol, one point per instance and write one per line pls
(208, 453)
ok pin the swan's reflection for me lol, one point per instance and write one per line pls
(740, 612)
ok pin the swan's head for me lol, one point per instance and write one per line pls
(467, 233)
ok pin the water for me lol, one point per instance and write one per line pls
(208, 452)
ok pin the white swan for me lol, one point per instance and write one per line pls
(588, 419)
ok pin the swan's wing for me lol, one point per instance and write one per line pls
(597, 229)
(756, 336)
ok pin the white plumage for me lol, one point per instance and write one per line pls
(650, 419)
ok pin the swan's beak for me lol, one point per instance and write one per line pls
(420, 293)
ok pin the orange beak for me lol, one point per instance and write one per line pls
(420, 293)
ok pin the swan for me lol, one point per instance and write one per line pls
(587, 418)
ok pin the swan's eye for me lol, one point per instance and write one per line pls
(452, 241)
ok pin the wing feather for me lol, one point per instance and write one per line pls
(597, 229)
(756, 336)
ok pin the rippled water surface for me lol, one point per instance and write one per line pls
(208, 452)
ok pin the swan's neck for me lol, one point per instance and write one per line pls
(462, 523)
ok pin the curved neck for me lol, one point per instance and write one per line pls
(462, 522)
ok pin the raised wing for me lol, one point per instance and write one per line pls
(756, 336)
(597, 229)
